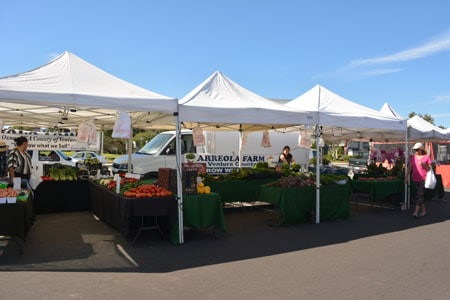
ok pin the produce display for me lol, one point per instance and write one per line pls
(203, 189)
(135, 188)
(61, 172)
(371, 178)
(293, 181)
(8, 192)
(307, 180)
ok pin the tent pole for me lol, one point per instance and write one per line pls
(240, 148)
(130, 146)
(317, 174)
(407, 186)
(179, 182)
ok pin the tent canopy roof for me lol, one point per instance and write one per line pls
(68, 90)
(418, 128)
(342, 119)
(220, 103)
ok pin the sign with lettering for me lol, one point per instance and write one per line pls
(226, 163)
(51, 141)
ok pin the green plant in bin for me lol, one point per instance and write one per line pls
(190, 156)
(91, 161)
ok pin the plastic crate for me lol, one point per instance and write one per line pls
(190, 182)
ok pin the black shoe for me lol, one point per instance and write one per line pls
(415, 216)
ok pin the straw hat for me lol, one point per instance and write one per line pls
(417, 146)
(3, 146)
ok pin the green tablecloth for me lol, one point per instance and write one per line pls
(202, 211)
(238, 190)
(334, 201)
(294, 203)
(378, 190)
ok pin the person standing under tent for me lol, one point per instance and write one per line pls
(286, 156)
(19, 162)
(418, 166)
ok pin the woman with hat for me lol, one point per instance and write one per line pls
(19, 161)
(3, 159)
(418, 166)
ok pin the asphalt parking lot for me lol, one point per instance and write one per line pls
(376, 253)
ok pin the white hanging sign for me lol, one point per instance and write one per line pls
(122, 126)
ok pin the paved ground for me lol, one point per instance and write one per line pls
(375, 254)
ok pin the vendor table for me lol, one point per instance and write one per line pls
(16, 219)
(204, 210)
(296, 204)
(239, 190)
(334, 201)
(62, 196)
(378, 190)
(126, 214)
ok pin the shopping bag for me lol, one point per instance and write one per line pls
(430, 180)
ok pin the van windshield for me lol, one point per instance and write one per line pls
(155, 144)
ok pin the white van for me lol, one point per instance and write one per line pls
(41, 160)
(220, 153)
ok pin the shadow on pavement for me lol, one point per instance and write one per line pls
(78, 242)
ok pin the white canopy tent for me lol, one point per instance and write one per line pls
(341, 119)
(418, 128)
(68, 90)
(422, 130)
(221, 104)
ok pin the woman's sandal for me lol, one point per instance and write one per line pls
(415, 216)
(422, 214)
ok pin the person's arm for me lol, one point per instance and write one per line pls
(11, 173)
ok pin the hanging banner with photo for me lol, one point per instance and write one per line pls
(199, 138)
(304, 141)
(122, 126)
(87, 132)
(243, 140)
(265, 142)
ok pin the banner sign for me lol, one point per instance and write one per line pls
(226, 163)
(51, 141)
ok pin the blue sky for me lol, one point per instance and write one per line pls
(369, 52)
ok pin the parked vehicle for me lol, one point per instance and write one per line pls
(82, 155)
(220, 153)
